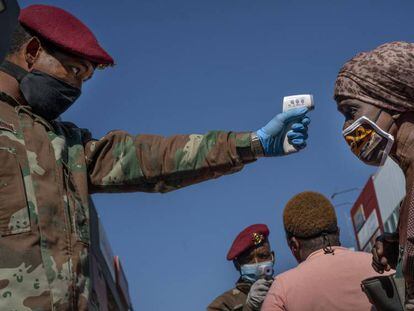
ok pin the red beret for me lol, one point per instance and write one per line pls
(251, 236)
(65, 31)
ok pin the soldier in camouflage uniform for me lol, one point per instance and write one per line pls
(253, 258)
(50, 168)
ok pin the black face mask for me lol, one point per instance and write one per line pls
(49, 97)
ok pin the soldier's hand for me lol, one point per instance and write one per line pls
(273, 134)
(257, 293)
(385, 252)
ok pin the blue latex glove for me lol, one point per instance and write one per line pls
(273, 133)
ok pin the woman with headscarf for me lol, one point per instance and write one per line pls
(375, 93)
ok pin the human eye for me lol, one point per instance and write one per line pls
(75, 70)
(264, 255)
(350, 112)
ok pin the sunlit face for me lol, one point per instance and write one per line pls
(364, 141)
(353, 109)
(68, 68)
(259, 254)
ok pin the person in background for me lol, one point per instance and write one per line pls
(253, 258)
(328, 276)
(375, 93)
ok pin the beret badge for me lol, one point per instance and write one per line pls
(251, 236)
(257, 238)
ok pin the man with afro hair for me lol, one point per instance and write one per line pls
(328, 276)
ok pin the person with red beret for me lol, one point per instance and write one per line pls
(253, 258)
(49, 167)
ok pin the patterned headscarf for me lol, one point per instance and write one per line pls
(383, 77)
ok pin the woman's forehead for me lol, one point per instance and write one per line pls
(348, 102)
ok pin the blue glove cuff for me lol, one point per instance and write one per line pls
(272, 145)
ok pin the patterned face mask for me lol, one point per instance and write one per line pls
(368, 142)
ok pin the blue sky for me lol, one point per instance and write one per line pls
(189, 66)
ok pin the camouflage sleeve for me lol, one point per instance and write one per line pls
(120, 162)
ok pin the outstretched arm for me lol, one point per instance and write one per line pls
(120, 162)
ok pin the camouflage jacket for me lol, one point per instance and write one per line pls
(232, 300)
(48, 171)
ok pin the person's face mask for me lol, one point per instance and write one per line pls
(255, 271)
(368, 141)
(48, 96)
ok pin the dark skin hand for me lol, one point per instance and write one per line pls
(33, 56)
(385, 252)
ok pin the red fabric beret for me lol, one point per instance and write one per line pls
(65, 31)
(249, 237)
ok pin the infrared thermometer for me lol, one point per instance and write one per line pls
(266, 272)
(292, 102)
